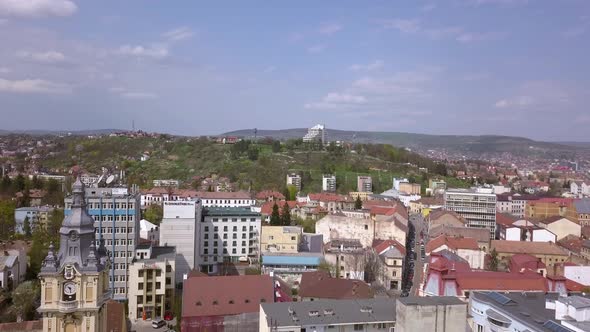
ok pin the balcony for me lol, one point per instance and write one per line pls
(68, 306)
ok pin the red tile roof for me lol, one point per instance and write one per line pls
(573, 286)
(266, 194)
(383, 210)
(382, 245)
(435, 215)
(329, 197)
(571, 243)
(370, 204)
(521, 262)
(452, 243)
(226, 295)
(504, 219)
(504, 281)
(266, 208)
(319, 285)
(553, 219)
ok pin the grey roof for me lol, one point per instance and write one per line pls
(431, 300)
(163, 252)
(582, 205)
(229, 211)
(576, 301)
(344, 312)
(7, 261)
(528, 308)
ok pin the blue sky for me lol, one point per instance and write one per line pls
(509, 67)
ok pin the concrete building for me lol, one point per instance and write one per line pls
(580, 188)
(466, 248)
(294, 179)
(179, 228)
(561, 226)
(281, 239)
(151, 282)
(166, 183)
(37, 216)
(477, 206)
(149, 231)
(524, 230)
(582, 207)
(227, 235)
(291, 266)
(329, 183)
(530, 311)
(227, 199)
(13, 268)
(316, 134)
(442, 314)
(326, 315)
(436, 187)
(347, 256)
(549, 253)
(364, 195)
(364, 183)
(513, 204)
(550, 206)
(410, 188)
(392, 255)
(116, 214)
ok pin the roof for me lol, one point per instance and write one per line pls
(320, 285)
(571, 243)
(330, 312)
(115, 315)
(145, 225)
(502, 281)
(431, 300)
(202, 296)
(307, 259)
(582, 205)
(224, 195)
(434, 215)
(383, 210)
(479, 234)
(267, 207)
(586, 231)
(265, 194)
(452, 243)
(533, 248)
(329, 197)
(382, 246)
(553, 219)
(525, 261)
(576, 301)
(505, 219)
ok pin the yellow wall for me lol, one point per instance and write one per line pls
(277, 237)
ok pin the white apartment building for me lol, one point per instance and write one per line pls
(316, 133)
(294, 180)
(227, 199)
(364, 183)
(166, 183)
(580, 188)
(514, 204)
(329, 183)
(179, 228)
(227, 235)
(151, 282)
(476, 205)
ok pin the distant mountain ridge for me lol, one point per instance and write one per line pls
(467, 143)
(41, 132)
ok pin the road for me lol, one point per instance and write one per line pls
(418, 221)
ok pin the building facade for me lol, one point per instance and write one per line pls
(316, 134)
(364, 183)
(329, 183)
(74, 281)
(294, 180)
(116, 214)
(227, 235)
(280, 239)
(477, 207)
(151, 282)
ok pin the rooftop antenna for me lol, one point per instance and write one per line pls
(110, 179)
(255, 133)
(133, 124)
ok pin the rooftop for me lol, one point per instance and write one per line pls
(452, 243)
(302, 259)
(582, 205)
(330, 312)
(526, 247)
(430, 300)
(320, 285)
(229, 211)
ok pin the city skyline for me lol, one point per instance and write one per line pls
(468, 67)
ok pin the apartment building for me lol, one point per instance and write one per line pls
(281, 239)
(116, 214)
(364, 183)
(583, 211)
(294, 179)
(476, 205)
(166, 183)
(179, 228)
(37, 216)
(151, 282)
(227, 199)
(329, 183)
(227, 235)
(316, 133)
(514, 204)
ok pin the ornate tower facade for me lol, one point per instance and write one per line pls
(74, 282)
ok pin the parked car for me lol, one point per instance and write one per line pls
(168, 315)
(158, 322)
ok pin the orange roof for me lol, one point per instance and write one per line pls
(266, 208)
(383, 210)
(504, 219)
(270, 193)
(320, 285)
(526, 247)
(452, 242)
(382, 245)
(505, 281)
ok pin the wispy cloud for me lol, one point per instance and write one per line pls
(540, 95)
(330, 28)
(4, 70)
(131, 94)
(518, 101)
(316, 49)
(402, 25)
(414, 26)
(49, 57)
(156, 51)
(375, 65)
(498, 2)
(33, 86)
(468, 37)
(37, 8)
(179, 34)
(335, 100)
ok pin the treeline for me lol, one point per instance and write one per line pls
(9, 188)
(397, 155)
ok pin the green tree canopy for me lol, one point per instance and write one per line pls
(24, 300)
(286, 215)
(154, 214)
(275, 217)
(358, 204)
(7, 222)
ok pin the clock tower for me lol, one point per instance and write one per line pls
(74, 281)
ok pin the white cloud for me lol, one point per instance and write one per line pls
(33, 86)
(335, 100)
(499, 2)
(49, 57)
(179, 34)
(330, 29)
(469, 37)
(138, 95)
(316, 49)
(414, 26)
(156, 51)
(375, 65)
(37, 8)
(518, 102)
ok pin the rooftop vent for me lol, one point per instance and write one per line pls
(366, 309)
(314, 313)
(215, 302)
(328, 312)
(290, 309)
(295, 318)
(231, 301)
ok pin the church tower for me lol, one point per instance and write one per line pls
(74, 282)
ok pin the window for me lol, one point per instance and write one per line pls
(206, 228)
(233, 251)
(206, 243)
(206, 236)
(158, 285)
(243, 243)
(168, 268)
(271, 237)
(234, 236)
(234, 243)
(358, 327)
(215, 229)
(243, 250)
(205, 251)
(224, 219)
(366, 228)
(225, 228)
(225, 236)
(234, 220)
(394, 273)
(293, 238)
(140, 285)
(243, 235)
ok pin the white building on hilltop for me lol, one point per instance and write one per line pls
(316, 133)
(329, 183)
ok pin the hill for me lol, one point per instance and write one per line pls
(454, 143)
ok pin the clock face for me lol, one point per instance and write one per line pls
(70, 288)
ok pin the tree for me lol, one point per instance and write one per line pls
(286, 215)
(36, 183)
(494, 262)
(327, 267)
(27, 227)
(275, 217)
(154, 214)
(292, 190)
(358, 204)
(253, 153)
(19, 183)
(24, 300)
(7, 222)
